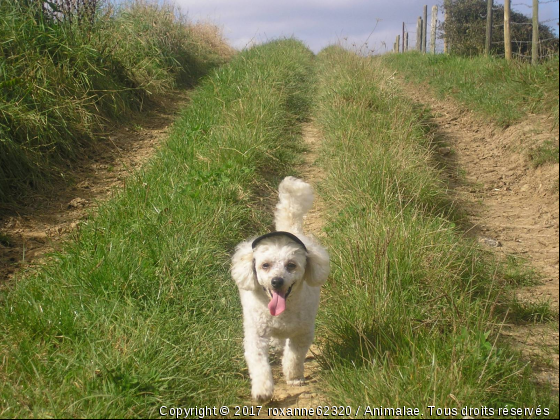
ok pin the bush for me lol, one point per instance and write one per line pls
(465, 29)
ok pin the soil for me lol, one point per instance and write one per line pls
(511, 205)
(38, 224)
(308, 395)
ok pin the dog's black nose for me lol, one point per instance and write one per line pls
(277, 282)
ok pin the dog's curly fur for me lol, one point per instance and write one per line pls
(279, 284)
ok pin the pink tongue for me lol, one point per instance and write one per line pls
(278, 304)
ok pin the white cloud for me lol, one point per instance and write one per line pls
(320, 23)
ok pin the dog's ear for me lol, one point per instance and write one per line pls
(318, 265)
(242, 267)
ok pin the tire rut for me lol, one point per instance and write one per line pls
(512, 207)
(37, 225)
(308, 395)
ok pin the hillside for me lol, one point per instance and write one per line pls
(66, 78)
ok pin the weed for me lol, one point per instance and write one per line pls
(548, 152)
(532, 312)
(517, 273)
(5, 240)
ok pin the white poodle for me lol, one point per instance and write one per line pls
(279, 276)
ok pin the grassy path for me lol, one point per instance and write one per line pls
(512, 207)
(414, 309)
(140, 311)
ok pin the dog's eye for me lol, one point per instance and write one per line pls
(291, 266)
(265, 266)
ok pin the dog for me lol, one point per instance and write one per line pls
(279, 276)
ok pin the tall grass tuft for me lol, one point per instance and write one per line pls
(497, 90)
(140, 311)
(408, 317)
(61, 79)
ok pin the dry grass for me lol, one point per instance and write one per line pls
(211, 38)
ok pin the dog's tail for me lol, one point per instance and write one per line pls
(296, 198)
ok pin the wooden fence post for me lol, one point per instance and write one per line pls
(425, 30)
(403, 28)
(434, 28)
(446, 5)
(406, 42)
(489, 22)
(535, 52)
(419, 34)
(507, 30)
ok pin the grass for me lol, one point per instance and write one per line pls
(516, 272)
(532, 312)
(5, 240)
(409, 316)
(548, 152)
(61, 82)
(498, 91)
(139, 311)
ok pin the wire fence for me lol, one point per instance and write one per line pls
(521, 28)
(521, 46)
(411, 29)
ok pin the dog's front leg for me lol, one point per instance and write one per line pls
(256, 355)
(294, 357)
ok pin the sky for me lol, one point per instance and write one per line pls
(368, 25)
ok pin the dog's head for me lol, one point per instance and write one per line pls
(277, 263)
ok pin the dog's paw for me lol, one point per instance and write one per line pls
(296, 382)
(263, 391)
(262, 398)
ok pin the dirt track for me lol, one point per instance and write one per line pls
(512, 207)
(39, 224)
(308, 395)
